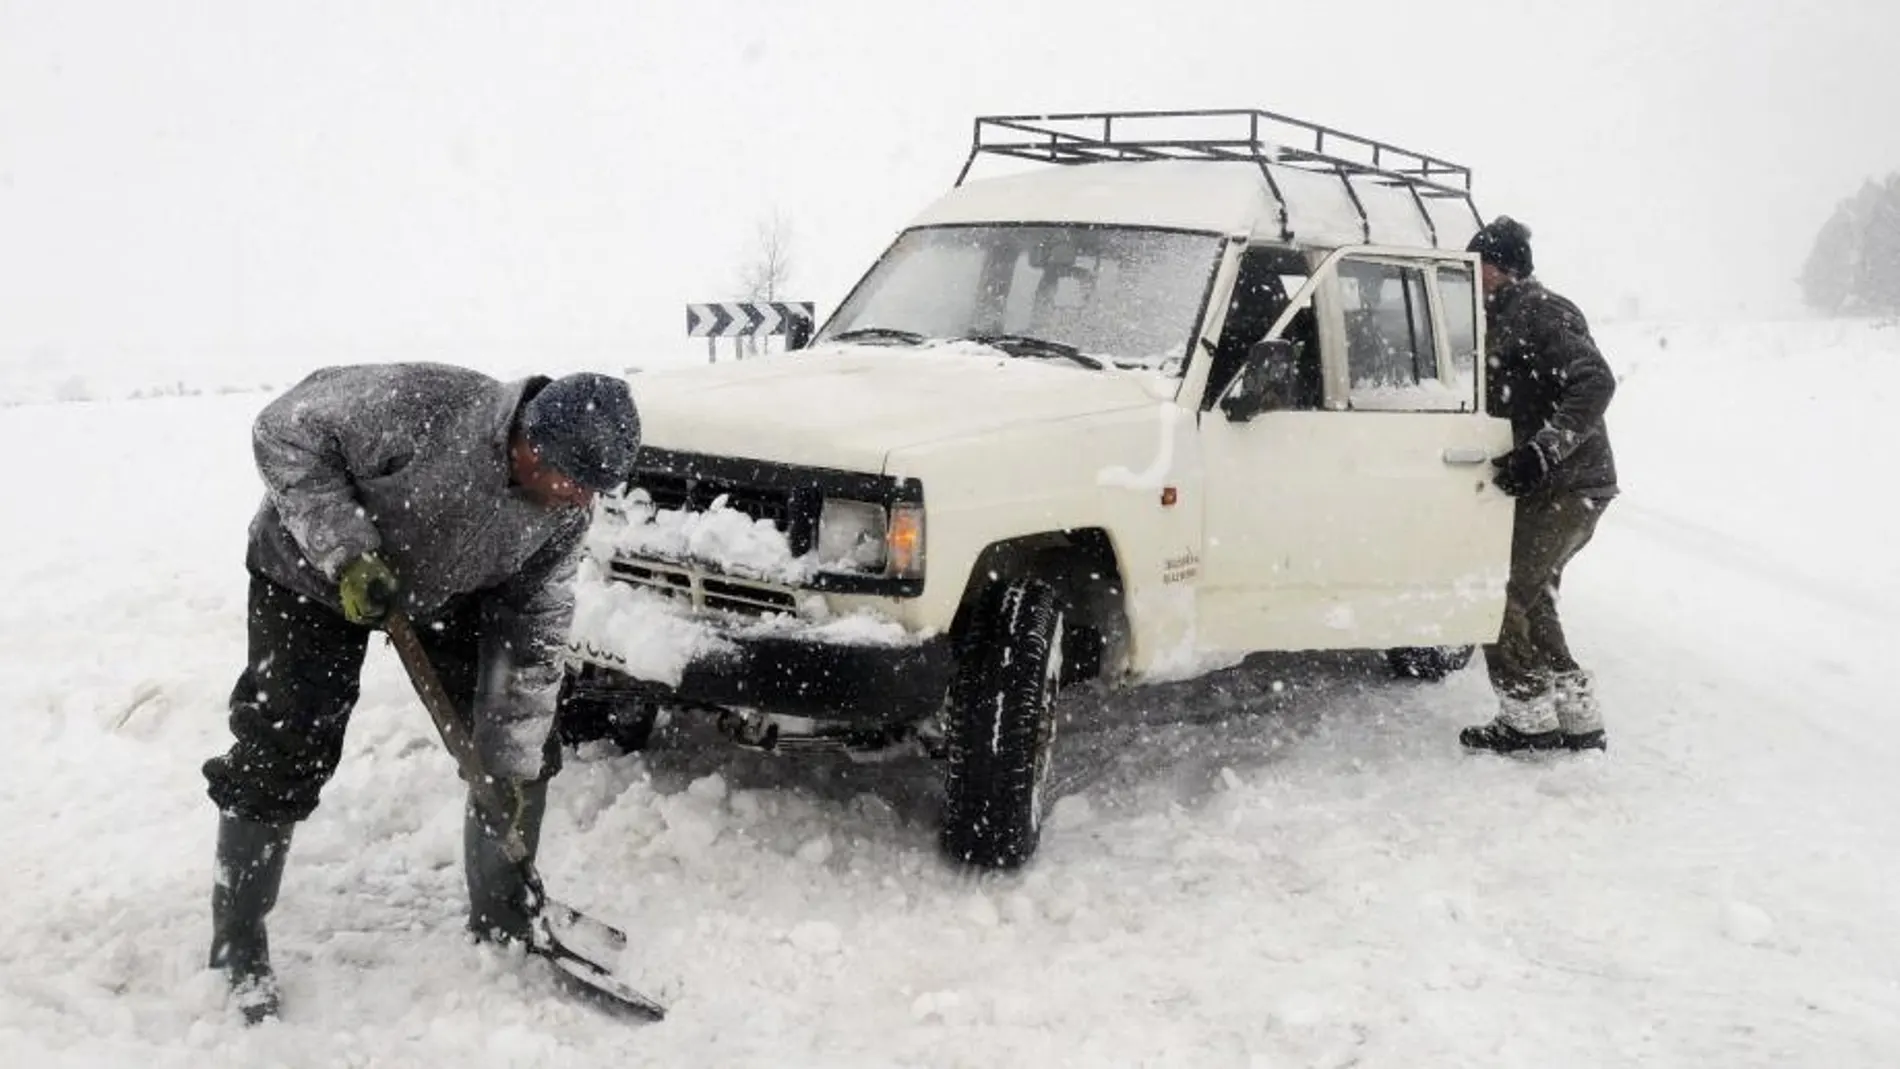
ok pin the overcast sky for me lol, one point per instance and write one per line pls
(550, 182)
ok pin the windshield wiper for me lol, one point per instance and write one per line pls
(1024, 345)
(888, 334)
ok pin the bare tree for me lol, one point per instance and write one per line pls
(768, 270)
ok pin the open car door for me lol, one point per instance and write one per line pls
(1363, 518)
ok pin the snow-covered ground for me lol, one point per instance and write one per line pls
(1242, 875)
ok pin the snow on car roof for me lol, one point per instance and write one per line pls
(1221, 197)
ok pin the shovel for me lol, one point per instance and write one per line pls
(572, 942)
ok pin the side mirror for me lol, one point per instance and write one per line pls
(1266, 382)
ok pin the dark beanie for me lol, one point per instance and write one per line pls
(1505, 244)
(586, 427)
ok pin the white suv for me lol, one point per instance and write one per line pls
(1194, 385)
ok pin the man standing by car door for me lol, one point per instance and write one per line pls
(460, 500)
(1547, 377)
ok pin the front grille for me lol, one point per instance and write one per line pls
(706, 591)
(787, 496)
(745, 597)
(665, 580)
(697, 493)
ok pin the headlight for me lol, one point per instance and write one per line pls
(851, 536)
(868, 539)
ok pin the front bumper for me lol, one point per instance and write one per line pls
(793, 675)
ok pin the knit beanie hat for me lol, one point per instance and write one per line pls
(1505, 244)
(586, 427)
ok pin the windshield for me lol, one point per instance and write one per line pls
(1120, 294)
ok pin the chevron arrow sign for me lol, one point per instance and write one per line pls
(728, 319)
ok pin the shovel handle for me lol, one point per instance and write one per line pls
(593, 978)
(453, 727)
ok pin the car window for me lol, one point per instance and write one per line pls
(1259, 296)
(1457, 298)
(1129, 294)
(1392, 357)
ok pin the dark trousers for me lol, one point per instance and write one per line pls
(1531, 649)
(292, 703)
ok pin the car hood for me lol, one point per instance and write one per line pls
(849, 407)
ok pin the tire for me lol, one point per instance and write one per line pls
(1001, 726)
(1429, 663)
(628, 725)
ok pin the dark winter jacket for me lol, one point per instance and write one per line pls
(411, 461)
(1548, 378)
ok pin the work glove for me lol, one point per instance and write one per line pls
(1524, 470)
(367, 589)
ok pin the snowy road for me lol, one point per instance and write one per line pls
(1244, 876)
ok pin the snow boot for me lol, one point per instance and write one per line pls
(497, 887)
(250, 867)
(1578, 714)
(1522, 724)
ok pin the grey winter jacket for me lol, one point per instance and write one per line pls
(1548, 378)
(411, 461)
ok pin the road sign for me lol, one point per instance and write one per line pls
(732, 319)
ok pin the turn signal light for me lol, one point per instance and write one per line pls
(905, 540)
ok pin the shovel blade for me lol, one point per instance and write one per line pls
(590, 938)
(595, 983)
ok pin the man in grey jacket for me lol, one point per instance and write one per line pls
(462, 501)
(1544, 374)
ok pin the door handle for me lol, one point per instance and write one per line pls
(1465, 454)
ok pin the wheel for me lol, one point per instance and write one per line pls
(1001, 726)
(626, 724)
(1429, 663)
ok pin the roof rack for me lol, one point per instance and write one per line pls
(1243, 134)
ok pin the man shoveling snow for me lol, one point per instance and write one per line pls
(458, 500)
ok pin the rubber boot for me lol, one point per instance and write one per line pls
(498, 887)
(1522, 724)
(1578, 712)
(250, 867)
